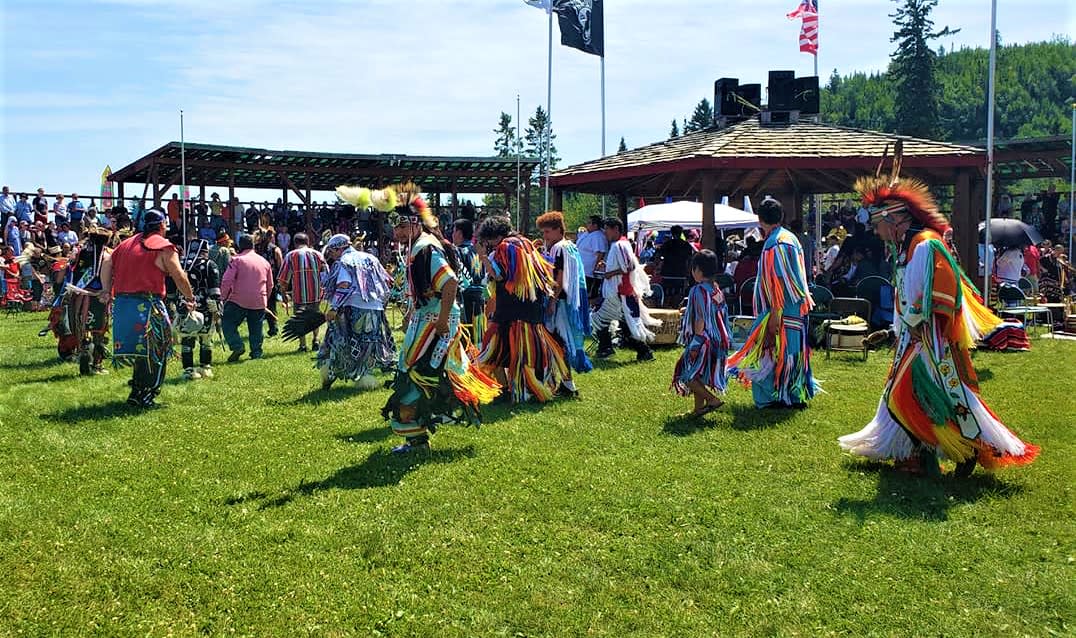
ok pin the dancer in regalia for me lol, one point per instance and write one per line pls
(141, 329)
(776, 360)
(705, 334)
(517, 346)
(568, 314)
(205, 281)
(85, 316)
(472, 286)
(930, 407)
(358, 340)
(436, 377)
(624, 285)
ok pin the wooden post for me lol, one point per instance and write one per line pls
(525, 215)
(156, 187)
(965, 220)
(556, 202)
(622, 210)
(119, 191)
(709, 238)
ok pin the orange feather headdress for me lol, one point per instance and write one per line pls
(892, 195)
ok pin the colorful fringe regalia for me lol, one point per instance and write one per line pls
(704, 354)
(781, 375)
(435, 375)
(931, 398)
(88, 318)
(359, 340)
(142, 337)
(569, 317)
(472, 291)
(517, 339)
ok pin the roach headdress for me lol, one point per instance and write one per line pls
(890, 195)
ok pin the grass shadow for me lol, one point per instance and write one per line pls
(340, 392)
(496, 412)
(688, 424)
(373, 435)
(60, 376)
(747, 417)
(95, 412)
(909, 496)
(380, 469)
(47, 363)
(984, 374)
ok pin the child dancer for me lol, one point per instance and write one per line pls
(705, 335)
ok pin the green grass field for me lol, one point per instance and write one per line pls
(255, 504)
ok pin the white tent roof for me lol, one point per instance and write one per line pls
(687, 214)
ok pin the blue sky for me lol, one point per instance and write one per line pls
(89, 83)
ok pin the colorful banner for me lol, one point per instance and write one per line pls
(106, 189)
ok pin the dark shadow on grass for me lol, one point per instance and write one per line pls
(60, 376)
(339, 392)
(380, 469)
(96, 412)
(910, 496)
(47, 363)
(495, 412)
(688, 424)
(373, 435)
(748, 417)
(984, 374)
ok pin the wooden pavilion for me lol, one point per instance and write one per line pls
(301, 172)
(788, 161)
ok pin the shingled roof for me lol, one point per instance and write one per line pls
(823, 157)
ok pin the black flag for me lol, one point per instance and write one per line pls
(581, 25)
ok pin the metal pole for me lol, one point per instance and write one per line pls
(987, 261)
(519, 148)
(548, 111)
(1072, 175)
(182, 179)
(603, 127)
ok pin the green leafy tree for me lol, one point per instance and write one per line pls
(675, 131)
(912, 68)
(702, 118)
(622, 147)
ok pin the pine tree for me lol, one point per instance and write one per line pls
(622, 147)
(505, 143)
(534, 140)
(702, 118)
(675, 132)
(912, 68)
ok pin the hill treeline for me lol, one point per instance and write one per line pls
(1034, 82)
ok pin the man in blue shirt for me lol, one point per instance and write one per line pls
(75, 209)
(22, 209)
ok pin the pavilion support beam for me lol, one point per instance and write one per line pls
(622, 209)
(201, 192)
(455, 200)
(965, 225)
(290, 185)
(525, 215)
(119, 191)
(557, 200)
(156, 187)
(706, 181)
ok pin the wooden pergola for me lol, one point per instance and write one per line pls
(302, 172)
(785, 160)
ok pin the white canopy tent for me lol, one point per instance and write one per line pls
(688, 215)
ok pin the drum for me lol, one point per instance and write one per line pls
(669, 330)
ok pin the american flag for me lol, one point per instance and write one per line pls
(808, 11)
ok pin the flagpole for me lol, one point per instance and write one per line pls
(548, 108)
(603, 122)
(519, 213)
(183, 178)
(987, 261)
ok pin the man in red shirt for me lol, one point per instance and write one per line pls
(246, 287)
(1031, 262)
(132, 276)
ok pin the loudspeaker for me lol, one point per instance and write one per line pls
(805, 95)
(725, 97)
(781, 89)
(751, 93)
